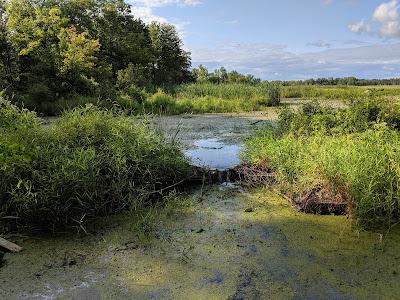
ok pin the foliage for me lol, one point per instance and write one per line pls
(171, 65)
(92, 48)
(352, 151)
(88, 163)
(268, 94)
(345, 93)
(359, 116)
(221, 75)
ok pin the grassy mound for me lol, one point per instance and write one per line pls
(353, 155)
(88, 163)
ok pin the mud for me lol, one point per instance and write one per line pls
(226, 242)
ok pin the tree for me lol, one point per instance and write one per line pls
(7, 52)
(171, 64)
(201, 74)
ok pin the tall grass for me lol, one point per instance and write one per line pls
(353, 152)
(90, 162)
(338, 92)
(208, 97)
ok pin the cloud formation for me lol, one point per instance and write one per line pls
(276, 62)
(360, 27)
(144, 10)
(320, 44)
(387, 18)
(160, 3)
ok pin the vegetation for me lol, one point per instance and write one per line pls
(89, 163)
(349, 81)
(53, 52)
(221, 75)
(338, 92)
(351, 152)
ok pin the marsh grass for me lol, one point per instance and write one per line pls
(339, 92)
(354, 152)
(90, 162)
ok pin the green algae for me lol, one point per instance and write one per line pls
(212, 249)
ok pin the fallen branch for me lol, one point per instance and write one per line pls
(9, 246)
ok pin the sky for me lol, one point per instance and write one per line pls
(286, 39)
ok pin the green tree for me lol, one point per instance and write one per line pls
(172, 63)
(7, 52)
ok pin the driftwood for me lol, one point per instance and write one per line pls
(9, 246)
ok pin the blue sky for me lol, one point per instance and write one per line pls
(286, 39)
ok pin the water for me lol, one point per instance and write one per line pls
(214, 155)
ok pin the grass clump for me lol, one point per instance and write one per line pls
(88, 163)
(354, 153)
(228, 97)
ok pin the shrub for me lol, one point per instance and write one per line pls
(273, 94)
(354, 152)
(161, 103)
(88, 163)
(362, 165)
(359, 116)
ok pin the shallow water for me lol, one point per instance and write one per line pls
(231, 243)
(214, 154)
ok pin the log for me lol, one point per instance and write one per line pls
(9, 246)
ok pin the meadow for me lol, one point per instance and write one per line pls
(198, 98)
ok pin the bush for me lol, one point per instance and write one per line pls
(161, 103)
(363, 166)
(88, 163)
(273, 94)
(359, 116)
(353, 152)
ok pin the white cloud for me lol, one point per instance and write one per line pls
(144, 10)
(160, 3)
(320, 44)
(276, 62)
(386, 16)
(360, 27)
(147, 15)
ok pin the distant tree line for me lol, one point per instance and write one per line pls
(350, 81)
(221, 75)
(61, 48)
(202, 75)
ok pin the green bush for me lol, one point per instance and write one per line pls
(364, 166)
(161, 103)
(273, 94)
(359, 116)
(88, 163)
(354, 152)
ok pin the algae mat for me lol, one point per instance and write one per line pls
(212, 249)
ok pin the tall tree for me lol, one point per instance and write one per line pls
(172, 63)
(7, 52)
